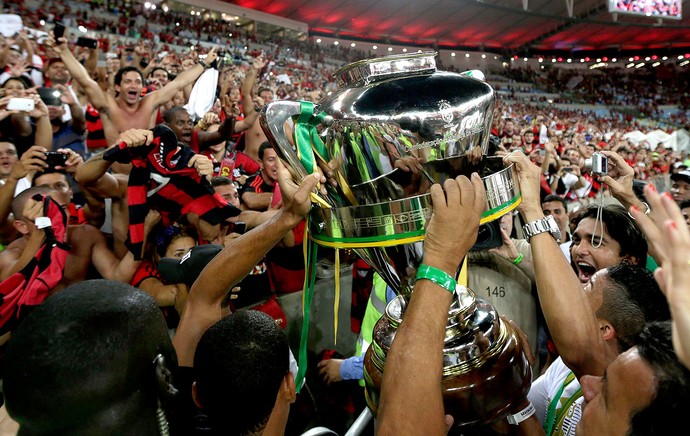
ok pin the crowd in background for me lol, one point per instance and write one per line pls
(96, 108)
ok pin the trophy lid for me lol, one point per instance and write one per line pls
(374, 70)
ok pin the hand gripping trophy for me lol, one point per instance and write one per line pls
(395, 126)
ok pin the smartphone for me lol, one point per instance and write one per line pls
(50, 96)
(55, 159)
(87, 42)
(59, 30)
(567, 170)
(239, 227)
(20, 104)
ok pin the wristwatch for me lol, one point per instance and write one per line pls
(547, 224)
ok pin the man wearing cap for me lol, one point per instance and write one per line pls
(55, 73)
(680, 188)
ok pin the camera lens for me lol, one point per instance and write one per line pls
(489, 236)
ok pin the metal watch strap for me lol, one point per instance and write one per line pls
(536, 227)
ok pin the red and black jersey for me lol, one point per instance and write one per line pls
(95, 136)
(161, 180)
(76, 215)
(245, 165)
(257, 185)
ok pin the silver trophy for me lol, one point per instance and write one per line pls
(396, 126)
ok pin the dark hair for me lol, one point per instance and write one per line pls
(666, 413)
(622, 229)
(91, 346)
(240, 363)
(264, 145)
(170, 113)
(164, 236)
(632, 299)
(553, 197)
(683, 204)
(124, 70)
(28, 83)
(156, 69)
(221, 181)
(262, 89)
(48, 170)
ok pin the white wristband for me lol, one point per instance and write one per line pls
(521, 415)
(42, 222)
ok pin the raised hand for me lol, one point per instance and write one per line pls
(32, 161)
(668, 232)
(203, 166)
(453, 227)
(135, 137)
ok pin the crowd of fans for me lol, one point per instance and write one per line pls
(133, 163)
(643, 90)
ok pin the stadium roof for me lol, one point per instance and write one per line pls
(504, 26)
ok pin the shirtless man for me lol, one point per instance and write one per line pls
(89, 246)
(128, 109)
(254, 136)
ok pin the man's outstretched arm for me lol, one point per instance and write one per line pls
(567, 310)
(411, 398)
(236, 261)
(165, 94)
(95, 94)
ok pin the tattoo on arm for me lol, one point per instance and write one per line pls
(96, 157)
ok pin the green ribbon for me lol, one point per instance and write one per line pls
(307, 137)
(375, 149)
(360, 160)
(312, 250)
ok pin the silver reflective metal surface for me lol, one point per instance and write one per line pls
(395, 127)
(390, 116)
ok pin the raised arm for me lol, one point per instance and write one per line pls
(416, 377)
(93, 174)
(165, 94)
(257, 201)
(32, 160)
(107, 264)
(566, 308)
(96, 96)
(9, 263)
(236, 261)
(247, 86)
(223, 133)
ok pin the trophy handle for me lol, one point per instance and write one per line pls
(272, 119)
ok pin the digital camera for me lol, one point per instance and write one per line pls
(598, 164)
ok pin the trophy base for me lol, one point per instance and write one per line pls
(480, 390)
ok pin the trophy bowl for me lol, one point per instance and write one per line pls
(394, 127)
